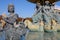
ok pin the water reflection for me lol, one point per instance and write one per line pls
(2, 35)
(35, 36)
(50, 36)
(39, 36)
(43, 36)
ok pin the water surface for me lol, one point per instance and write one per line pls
(39, 36)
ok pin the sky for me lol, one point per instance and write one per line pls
(22, 7)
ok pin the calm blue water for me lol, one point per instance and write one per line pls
(2, 35)
(38, 36)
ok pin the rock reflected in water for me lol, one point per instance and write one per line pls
(39, 36)
(35, 36)
(43, 36)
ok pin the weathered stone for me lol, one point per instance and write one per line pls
(34, 26)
